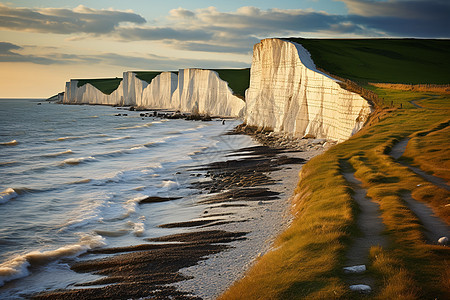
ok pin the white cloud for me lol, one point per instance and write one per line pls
(65, 21)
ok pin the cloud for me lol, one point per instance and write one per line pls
(65, 21)
(211, 30)
(9, 53)
(405, 9)
(163, 33)
(402, 18)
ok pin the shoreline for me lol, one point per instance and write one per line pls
(264, 223)
(246, 201)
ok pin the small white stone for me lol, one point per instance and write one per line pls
(361, 288)
(355, 269)
(443, 240)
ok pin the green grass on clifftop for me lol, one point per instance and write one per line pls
(105, 85)
(147, 76)
(409, 61)
(238, 79)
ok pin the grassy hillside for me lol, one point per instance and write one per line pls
(238, 79)
(413, 61)
(105, 85)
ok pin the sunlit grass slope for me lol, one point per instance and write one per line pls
(308, 257)
(411, 61)
(105, 85)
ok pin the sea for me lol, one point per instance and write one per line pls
(72, 177)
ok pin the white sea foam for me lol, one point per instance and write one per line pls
(7, 195)
(18, 266)
(169, 184)
(68, 138)
(10, 143)
(134, 127)
(138, 229)
(68, 151)
(76, 161)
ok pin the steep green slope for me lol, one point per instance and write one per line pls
(411, 61)
(238, 79)
(105, 85)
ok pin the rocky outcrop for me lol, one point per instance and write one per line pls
(288, 94)
(88, 94)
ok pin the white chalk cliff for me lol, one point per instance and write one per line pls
(288, 94)
(156, 94)
(202, 91)
(193, 90)
(89, 94)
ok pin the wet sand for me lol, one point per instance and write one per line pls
(246, 204)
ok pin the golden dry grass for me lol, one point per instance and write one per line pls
(434, 88)
(309, 255)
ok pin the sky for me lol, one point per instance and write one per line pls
(45, 43)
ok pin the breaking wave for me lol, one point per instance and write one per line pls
(10, 143)
(136, 126)
(77, 161)
(7, 195)
(18, 266)
(68, 151)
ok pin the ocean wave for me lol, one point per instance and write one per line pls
(81, 181)
(77, 161)
(7, 195)
(76, 137)
(18, 266)
(10, 143)
(68, 151)
(8, 163)
(133, 149)
(134, 127)
(108, 233)
(169, 184)
(68, 138)
(138, 228)
(118, 138)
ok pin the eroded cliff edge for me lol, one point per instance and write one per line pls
(288, 94)
(196, 91)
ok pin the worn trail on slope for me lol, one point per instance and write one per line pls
(369, 223)
(433, 225)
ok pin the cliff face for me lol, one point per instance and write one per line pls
(202, 91)
(288, 94)
(88, 94)
(156, 94)
(194, 91)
